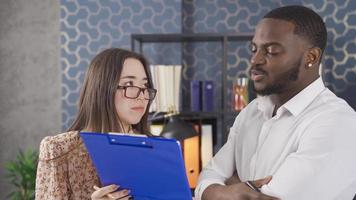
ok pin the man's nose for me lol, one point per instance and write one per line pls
(257, 58)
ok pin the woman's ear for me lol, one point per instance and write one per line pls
(313, 57)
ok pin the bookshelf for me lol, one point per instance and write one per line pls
(138, 40)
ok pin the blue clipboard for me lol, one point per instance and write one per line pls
(152, 168)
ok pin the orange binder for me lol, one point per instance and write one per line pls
(192, 158)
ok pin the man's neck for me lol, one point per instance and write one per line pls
(282, 98)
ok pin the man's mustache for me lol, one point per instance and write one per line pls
(258, 69)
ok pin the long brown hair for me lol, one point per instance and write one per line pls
(96, 109)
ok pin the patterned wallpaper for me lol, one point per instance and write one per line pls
(87, 27)
(339, 71)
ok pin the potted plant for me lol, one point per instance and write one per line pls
(21, 173)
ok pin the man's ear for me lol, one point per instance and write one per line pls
(313, 57)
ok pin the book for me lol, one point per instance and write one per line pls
(195, 95)
(166, 79)
(206, 143)
(191, 154)
(177, 72)
(208, 96)
(153, 106)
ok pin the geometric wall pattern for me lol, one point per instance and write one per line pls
(339, 64)
(87, 27)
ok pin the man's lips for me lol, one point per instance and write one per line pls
(257, 75)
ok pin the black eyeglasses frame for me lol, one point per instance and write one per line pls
(151, 92)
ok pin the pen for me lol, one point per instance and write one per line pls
(252, 186)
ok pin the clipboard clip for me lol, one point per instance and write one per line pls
(138, 142)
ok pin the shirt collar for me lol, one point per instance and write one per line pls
(296, 104)
(266, 106)
(301, 100)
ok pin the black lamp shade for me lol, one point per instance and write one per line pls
(178, 129)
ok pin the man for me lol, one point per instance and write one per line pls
(298, 139)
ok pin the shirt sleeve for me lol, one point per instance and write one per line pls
(221, 167)
(52, 176)
(323, 165)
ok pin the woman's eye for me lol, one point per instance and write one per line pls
(129, 83)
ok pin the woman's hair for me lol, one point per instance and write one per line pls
(96, 109)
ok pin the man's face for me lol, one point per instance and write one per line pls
(277, 55)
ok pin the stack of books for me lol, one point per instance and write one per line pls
(167, 80)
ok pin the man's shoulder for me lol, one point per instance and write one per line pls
(330, 109)
(330, 103)
(56, 146)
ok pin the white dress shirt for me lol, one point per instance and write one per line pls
(308, 147)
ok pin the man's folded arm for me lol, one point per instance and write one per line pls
(219, 169)
(308, 171)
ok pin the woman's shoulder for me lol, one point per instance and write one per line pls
(56, 146)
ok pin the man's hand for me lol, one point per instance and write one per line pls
(234, 179)
(239, 191)
(260, 182)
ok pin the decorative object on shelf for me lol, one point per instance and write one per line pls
(240, 93)
(251, 91)
(178, 129)
(21, 173)
(175, 128)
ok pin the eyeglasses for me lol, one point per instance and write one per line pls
(132, 92)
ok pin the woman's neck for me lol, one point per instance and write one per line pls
(127, 128)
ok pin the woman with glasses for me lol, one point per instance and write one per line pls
(115, 97)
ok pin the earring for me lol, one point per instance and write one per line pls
(310, 64)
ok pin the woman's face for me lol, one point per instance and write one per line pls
(130, 110)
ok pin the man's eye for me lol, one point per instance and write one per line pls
(272, 53)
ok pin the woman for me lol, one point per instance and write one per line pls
(115, 97)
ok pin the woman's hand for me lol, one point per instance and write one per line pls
(110, 192)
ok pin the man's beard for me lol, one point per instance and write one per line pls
(282, 81)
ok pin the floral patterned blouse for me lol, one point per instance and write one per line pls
(65, 170)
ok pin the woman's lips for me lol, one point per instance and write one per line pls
(257, 75)
(138, 109)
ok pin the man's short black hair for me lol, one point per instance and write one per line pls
(308, 24)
